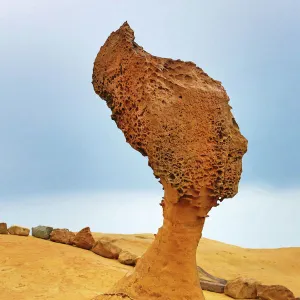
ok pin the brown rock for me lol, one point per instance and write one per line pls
(63, 236)
(178, 116)
(106, 249)
(241, 288)
(274, 292)
(127, 258)
(84, 239)
(212, 286)
(18, 230)
(3, 228)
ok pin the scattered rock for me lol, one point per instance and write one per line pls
(106, 249)
(3, 228)
(63, 236)
(212, 286)
(84, 239)
(127, 258)
(205, 276)
(42, 232)
(18, 230)
(242, 288)
(274, 292)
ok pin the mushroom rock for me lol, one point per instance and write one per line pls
(178, 116)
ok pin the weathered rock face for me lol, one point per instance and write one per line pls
(63, 236)
(84, 239)
(127, 258)
(106, 249)
(3, 228)
(18, 230)
(274, 292)
(174, 113)
(42, 232)
(242, 288)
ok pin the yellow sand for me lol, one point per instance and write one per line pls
(32, 268)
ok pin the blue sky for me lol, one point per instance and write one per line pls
(57, 138)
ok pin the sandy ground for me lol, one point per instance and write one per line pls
(32, 268)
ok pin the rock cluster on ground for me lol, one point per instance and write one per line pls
(238, 288)
(42, 232)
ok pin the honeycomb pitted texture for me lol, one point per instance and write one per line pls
(174, 113)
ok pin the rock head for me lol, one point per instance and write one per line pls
(174, 113)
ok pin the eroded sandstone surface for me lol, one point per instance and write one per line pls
(178, 116)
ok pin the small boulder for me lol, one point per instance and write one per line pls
(274, 292)
(127, 258)
(3, 228)
(18, 230)
(42, 232)
(106, 249)
(241, 288)
(212, 286)
(84, 239)
(63, 236)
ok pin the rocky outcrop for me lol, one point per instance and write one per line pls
(274, 292)
(127, 258)
(106, 249)
(178, 116)
(63, 236)
(242, 288)
(3, 228)
(84, 239)
(42, 232)
(18, 230)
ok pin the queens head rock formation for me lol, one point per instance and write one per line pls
(175, 114)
